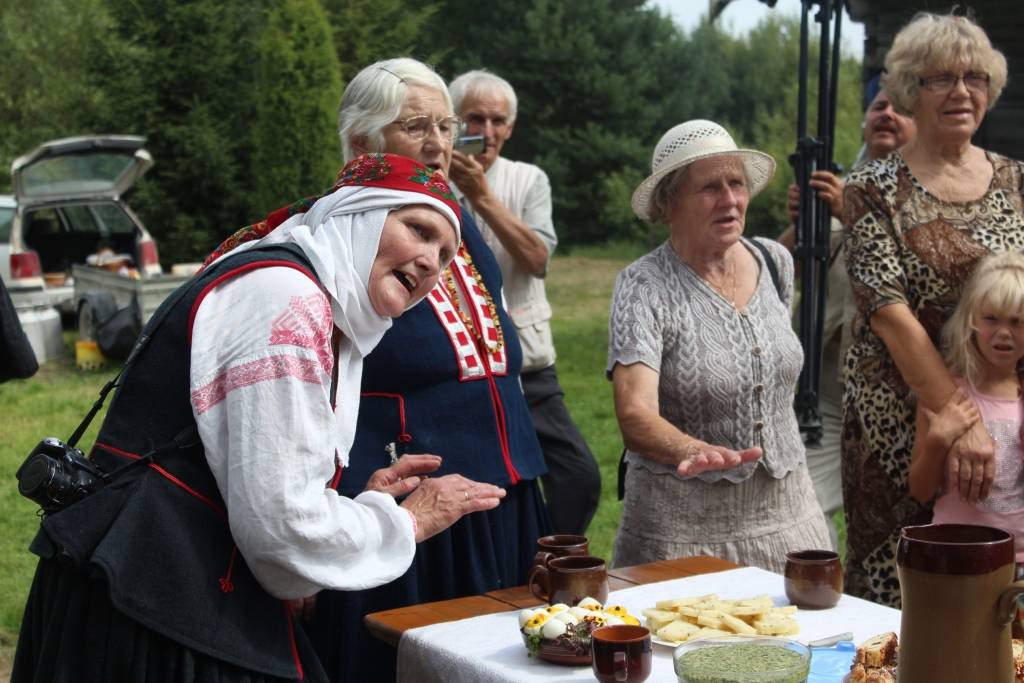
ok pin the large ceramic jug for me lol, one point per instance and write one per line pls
(958, 600)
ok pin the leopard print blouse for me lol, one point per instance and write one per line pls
(904, 245)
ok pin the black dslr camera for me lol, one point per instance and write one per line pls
(56, 475)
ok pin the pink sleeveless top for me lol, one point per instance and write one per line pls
(1004, 507)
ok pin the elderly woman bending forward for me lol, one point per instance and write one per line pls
(703, 362)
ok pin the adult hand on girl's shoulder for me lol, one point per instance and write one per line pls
(439, 502)
(404, 475)
(971, 463)
(956, 417)
(699, 457)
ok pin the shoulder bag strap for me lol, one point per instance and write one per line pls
(769, 261)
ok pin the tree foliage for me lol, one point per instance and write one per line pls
(238, 99)
(366, 31)
(599, 82)
(47, 86)
(190, 91)
(298, 81)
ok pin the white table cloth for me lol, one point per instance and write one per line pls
(489, 649)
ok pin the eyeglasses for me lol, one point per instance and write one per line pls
(944, 83)
(419, 127)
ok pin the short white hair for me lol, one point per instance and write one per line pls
(374, 98)
(483, 81)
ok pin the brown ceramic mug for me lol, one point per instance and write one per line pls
(570, 579)
(621, 653)
(560, 545)
(814, 578)
(959, 597)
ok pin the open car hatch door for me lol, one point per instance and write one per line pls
(91, 167)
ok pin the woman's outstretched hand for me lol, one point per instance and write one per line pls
(437, 503)
(402, 477)
(699, 457)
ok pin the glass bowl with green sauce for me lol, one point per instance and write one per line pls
(742, 659)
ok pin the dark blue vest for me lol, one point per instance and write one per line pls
(160, 534)
(465, 422)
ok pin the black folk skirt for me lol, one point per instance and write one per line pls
(72, 633)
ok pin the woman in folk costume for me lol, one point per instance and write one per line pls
(189, 569)
(443, 380)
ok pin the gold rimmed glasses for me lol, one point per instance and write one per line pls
(419, 127)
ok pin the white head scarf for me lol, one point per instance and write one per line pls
(340, 235)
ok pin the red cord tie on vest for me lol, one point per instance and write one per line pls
(226, 586)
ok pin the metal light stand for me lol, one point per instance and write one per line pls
(812, 226)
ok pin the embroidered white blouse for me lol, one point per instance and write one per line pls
(260, 389)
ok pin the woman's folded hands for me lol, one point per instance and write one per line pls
(435, 502)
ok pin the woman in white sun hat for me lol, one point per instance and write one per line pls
(703, 361)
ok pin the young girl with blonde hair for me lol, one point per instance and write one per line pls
(983, 344)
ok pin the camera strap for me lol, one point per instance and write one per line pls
(186, 438)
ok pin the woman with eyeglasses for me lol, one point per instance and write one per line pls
(443, 380)
(916, 222)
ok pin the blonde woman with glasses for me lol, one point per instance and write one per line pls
(917, 221)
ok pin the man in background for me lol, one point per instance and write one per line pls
(511, 202)
(884, 131)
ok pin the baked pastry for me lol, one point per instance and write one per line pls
(859, 673)
(878, 651)
(875, 660)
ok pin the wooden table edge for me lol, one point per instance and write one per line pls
(389, 625)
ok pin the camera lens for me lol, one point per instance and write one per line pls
(35, 476)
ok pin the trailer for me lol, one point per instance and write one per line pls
(100, 293)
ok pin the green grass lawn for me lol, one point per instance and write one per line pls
(54, 401)
(50, 404)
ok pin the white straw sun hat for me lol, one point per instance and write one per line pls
(692, 141)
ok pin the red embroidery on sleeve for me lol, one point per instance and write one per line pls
(247, 374)
(306, 323)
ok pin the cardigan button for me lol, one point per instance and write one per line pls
(759, 425)
(758, 389)
(756, 350)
